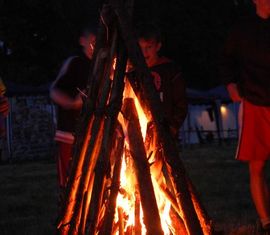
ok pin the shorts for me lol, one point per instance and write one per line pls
(63, 162)
(254, 132)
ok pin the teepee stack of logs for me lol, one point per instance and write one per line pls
(109, 133)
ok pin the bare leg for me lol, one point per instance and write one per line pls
(259, 189)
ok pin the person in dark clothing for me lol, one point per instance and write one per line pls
(66, 92)
(167, 77)
(170, 86)
(245, 69)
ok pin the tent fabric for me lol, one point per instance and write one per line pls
(208, 96)
(22, 89)
(216, 93)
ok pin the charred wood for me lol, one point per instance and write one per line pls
(114, 189)
(137, 150)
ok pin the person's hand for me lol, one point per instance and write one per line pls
(77, 103)
(4, 106)
(65, 101)
(233, 92)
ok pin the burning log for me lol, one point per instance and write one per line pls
(85, 208)
(120, 221)
(103, 160)
(205, 221)
(138, 227)
(173, 163)
(83, 138)
(93, 146)
(110, 211)
(177, 226)
(152, 143)
(142, 170)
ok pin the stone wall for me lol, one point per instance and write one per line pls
(30, 128)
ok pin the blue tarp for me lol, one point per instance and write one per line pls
(216, 93)
(22, 89)
(219, 92)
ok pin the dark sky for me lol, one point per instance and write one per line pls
(42, 33)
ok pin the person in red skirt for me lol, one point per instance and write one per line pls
(245, 69)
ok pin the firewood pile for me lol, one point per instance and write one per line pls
(126, 175)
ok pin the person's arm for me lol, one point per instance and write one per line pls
(233, 92)
(179, 102)
(63, 90)
(65, 101)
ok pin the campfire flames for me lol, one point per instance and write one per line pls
(126, 178)
(129, 218)
(128, 199)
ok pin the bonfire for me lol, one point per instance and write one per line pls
(127, 177)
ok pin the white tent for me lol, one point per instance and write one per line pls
(211, 116)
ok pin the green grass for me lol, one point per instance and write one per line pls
(28, 198)
(28, 192)
(223, 186)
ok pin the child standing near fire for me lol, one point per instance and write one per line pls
(66, 93)
(170, 85)
(167, 77)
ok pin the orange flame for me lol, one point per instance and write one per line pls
(126, 199)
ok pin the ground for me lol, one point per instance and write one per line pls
(28, 195)
(223, 186)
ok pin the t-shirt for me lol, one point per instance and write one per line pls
(170, 85)
(72, 76)
(246, 60)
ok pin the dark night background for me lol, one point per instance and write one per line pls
(36, 36)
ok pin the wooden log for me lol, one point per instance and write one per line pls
(178, 226)
(89, 161)
(88, 169)
(91, 155)
(205, 221)
(137, 213)
(120, 221)
(99, 184)
(136, 145)
(204, 218)
(73, 183)
(110, 211)
(84, 127)
(82, 132)
(153, 104)
(103, 159)
(85, 207)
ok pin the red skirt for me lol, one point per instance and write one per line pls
(254, 132)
